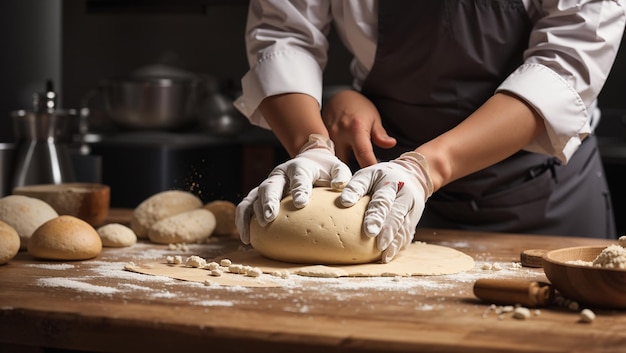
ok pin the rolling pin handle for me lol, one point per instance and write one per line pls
(514, 292)
(541, 294)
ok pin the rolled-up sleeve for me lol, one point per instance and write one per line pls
(572, 48)
(287, 47)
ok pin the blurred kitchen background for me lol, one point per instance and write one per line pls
(77, 47)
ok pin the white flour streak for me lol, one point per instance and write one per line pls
(51, 266)
(76, 285)
(214, 303)
(116, 270)
(135, 287)
(164, 295)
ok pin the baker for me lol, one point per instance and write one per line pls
(464, 114)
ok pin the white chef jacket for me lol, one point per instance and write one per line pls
(572, 47)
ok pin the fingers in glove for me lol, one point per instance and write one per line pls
(358, 186)
(379, 210)
(391, 251)
(302, 180)
(244, 213)
(270, 193)
(340, 174)
(395, 223)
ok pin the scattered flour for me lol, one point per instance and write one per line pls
(51, 266)
(215, 303)
(74, 284)
(135, 287)
(108, 272)
(164, 294)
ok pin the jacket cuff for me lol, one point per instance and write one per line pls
(564, 113)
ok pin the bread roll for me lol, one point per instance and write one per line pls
(116, 235)
(187, 227)
(25, 214)
(160, 206)
(224, 212)
(9, 243)
(323, 232)
(65, 238)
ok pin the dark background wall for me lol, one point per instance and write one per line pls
(80, 42)
(30, 38)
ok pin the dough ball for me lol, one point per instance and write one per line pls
(224, 212)
(160, 206)
(9, 243)
(323, 232)
(187, 227)
(65, 238)
(116, 235)
(25, 214)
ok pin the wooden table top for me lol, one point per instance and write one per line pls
(97, 306)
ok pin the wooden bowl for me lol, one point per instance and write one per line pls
(592, 286)
(87, 201)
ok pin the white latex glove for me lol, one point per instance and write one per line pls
(315, 165)
(399, 190)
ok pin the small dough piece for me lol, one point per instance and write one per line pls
(195, 261)
(160, 206)
(65, 238)
(323, 232)
(187, 227)
(587, 316)
(224, 212)
(116, 235)
(25, 214)
(9, 243)
(521, 313)
(622, 241)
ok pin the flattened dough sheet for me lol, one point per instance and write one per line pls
(419, 259)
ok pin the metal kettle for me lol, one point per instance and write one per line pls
(43, 139)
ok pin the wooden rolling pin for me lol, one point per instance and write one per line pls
(514, 292)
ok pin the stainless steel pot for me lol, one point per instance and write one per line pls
(153, 103)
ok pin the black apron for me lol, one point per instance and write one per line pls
(437, 61)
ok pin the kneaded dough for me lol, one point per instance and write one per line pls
(160, 206)
(116, 235)
(9, 243)
(323, 232)
(224, 212)
(25, 214)
(187, 227)
(65, 238)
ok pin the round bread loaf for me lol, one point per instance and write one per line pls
(116, 235)
(25, 214)
(187, 227)
(9, 243)
(323, 232)
(159, 206)
(224, 212)
(65, 238)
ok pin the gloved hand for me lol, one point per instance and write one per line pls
(315, 165)
(399, 190)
